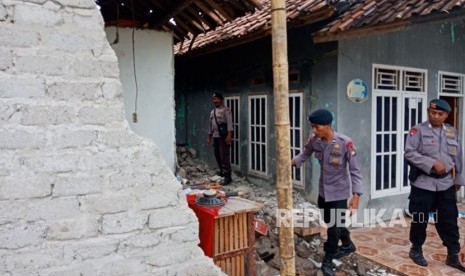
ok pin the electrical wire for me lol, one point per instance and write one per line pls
(134, 62)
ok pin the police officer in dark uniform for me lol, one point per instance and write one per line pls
(221, 145)
(434, 153)
(340, 178)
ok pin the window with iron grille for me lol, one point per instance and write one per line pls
(233, 102)
(295, 117)
(450, 83)
(258, 154)
(398, 103)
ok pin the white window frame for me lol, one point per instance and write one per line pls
(263, 141)
(401, 94)
(459, 95)
(234, 103)
(293, 128)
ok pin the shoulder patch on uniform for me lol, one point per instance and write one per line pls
(351, 148)
(413, 131)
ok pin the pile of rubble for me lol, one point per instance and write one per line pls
(192, 172)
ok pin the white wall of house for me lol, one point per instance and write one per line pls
(80, 192)
(154, 61)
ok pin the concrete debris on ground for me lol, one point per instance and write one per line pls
(192, 173)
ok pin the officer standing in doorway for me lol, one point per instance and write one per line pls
(220, 129)
(340, 178)
(433, 151)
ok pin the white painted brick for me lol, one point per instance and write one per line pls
(100, 115)
(169, 217)
(3, 12)
(77, 185)
(6, 56)
(9, 162)
(112, 89)
(123, 222)
(157, 198)
(52, 209)
(19, 37)
(69, 138)
(44, 64)
(81, 269)
(110, 68)
(76, 228)
(20, 139)
(118, 138)
(9, 113)
(106, 204)
(172, 253)
(36, 15)
(74, 91)
(87, 67)
(138, 242)
(125, 267)
(200, 266)
(21, 87)
(47, 115)
(101, 160)
(38, 209)
(86, 4)
(54, 162)
(14, 187)
(69, 41)
(86, 19)
(90, 249)
(27, 262)
(123, 180)
(188, 233)
(22, 235)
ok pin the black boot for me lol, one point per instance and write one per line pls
(327, 266)
(416, 254)
(345, 250)
(453, 261)
(227, 179)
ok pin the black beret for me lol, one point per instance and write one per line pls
(320, 117)
(218, 95)
(440, 104)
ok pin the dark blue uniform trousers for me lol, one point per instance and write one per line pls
(336, 231)
(444, 204)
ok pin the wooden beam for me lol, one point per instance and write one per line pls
(177, 6)
(192, 21)
(320, 38)
(220, 10)
(184, 26)
(196, 14)
(209, 12)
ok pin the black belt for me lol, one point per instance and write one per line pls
(438, 176)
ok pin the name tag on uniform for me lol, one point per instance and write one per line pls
(453, 150)
(450, 133)
(335, 160)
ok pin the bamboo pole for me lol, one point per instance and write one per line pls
(282, 132)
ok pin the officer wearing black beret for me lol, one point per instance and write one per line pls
(433, 150)
(340, 179)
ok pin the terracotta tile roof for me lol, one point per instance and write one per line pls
(385, 14)
(255, 25)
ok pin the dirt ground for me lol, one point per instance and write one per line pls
(192, 172)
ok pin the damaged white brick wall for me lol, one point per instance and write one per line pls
(80, 193)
